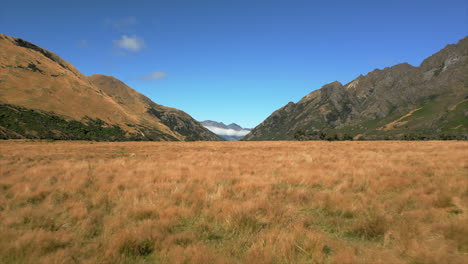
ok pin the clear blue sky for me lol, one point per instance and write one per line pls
(235, 60)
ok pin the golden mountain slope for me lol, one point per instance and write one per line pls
(35, 78)
(169, 120)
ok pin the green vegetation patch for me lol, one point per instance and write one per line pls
(19, 122)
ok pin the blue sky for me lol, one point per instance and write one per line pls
(235, 60)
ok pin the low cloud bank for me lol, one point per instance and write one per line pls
(227, 132)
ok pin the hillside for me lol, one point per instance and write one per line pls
(399, 102)
(177, 121)
(43, 96)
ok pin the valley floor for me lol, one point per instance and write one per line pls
(231, 202)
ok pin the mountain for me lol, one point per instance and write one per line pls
(43, 96)
(149, 112)
(399, 102)
(232, 132)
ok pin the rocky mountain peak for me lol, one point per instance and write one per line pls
(451, 54)
(430, 100)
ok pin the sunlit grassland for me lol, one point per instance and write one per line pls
(231, 202)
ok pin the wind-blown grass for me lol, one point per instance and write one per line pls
(231, 202)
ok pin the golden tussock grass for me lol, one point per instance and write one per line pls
(231, 202)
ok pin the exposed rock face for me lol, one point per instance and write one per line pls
(428, 101)
(36, 79)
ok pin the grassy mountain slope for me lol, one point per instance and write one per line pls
(174, 120)
(32, 78)
(399, 102)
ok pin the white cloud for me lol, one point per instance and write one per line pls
(227, 132)
(154, 76)
(131, 43)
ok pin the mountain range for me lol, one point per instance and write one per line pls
(43, 96)
(232, 132)
(400, 102)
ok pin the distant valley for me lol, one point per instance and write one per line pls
(232, 132)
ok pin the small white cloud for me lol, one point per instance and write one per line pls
(154, 76)
(227, 132)
(131, 43)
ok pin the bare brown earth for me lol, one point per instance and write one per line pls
(231, 202)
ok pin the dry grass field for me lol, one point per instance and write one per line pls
(234, 202)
